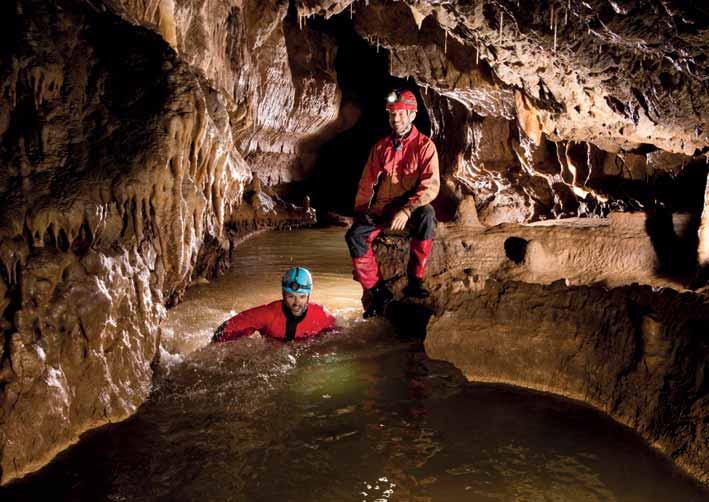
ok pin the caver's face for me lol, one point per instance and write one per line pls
(296, 302)
(401, 120)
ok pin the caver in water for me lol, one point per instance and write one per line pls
(295, 316)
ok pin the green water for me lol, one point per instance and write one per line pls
(359, 415)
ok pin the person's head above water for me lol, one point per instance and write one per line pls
(402, 108)
(297, 284)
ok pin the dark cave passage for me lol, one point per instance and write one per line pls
(364, 80)
(142, 144)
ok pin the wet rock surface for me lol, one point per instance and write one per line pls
(121, 187)
(633, 352)
(140, 141)
(547, 307)
(622, 249)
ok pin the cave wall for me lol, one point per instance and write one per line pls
(276, 80)
(635, 353)
(123, 181)
(114, 173)
(141, 139)
(550, 109)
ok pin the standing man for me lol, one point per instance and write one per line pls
(295, 316)
(397, 186)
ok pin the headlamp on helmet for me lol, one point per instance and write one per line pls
(297, 280)
(401, 99)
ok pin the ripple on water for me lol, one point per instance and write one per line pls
(361, 414)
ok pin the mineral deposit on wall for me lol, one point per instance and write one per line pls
(139, 140)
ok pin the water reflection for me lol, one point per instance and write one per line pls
(360, 415)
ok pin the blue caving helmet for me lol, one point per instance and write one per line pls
(297, 280)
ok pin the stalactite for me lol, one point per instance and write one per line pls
(166, 23)
(501, 21)
(555, 24)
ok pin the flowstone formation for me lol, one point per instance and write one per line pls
(635, 353)
(141, 140)
(124, 180)
(551, 109)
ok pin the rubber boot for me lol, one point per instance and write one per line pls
(375, 300)
(415, 288)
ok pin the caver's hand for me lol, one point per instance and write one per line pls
(399, 221)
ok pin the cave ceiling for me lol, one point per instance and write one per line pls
(618, 74)
(540, 109)
(140, 139)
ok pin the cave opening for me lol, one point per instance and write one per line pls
(364, 80)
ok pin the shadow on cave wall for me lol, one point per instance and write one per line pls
(364, 81)
(675, 241)
(673, 223)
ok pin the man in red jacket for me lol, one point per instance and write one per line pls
(292, 317)
(399, 182)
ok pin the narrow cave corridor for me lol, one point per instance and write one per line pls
(363, 80)
(149, 148)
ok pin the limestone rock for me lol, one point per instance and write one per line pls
(547, 306)
(122, 185)
(633, 352)
(589, 94)
(140, 141)
(622, 249)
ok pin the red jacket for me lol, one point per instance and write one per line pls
(270, 320)
(408, 177)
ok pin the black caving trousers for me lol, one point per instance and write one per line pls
(421, 227)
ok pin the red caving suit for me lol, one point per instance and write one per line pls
(396, 177)
(270, 320)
